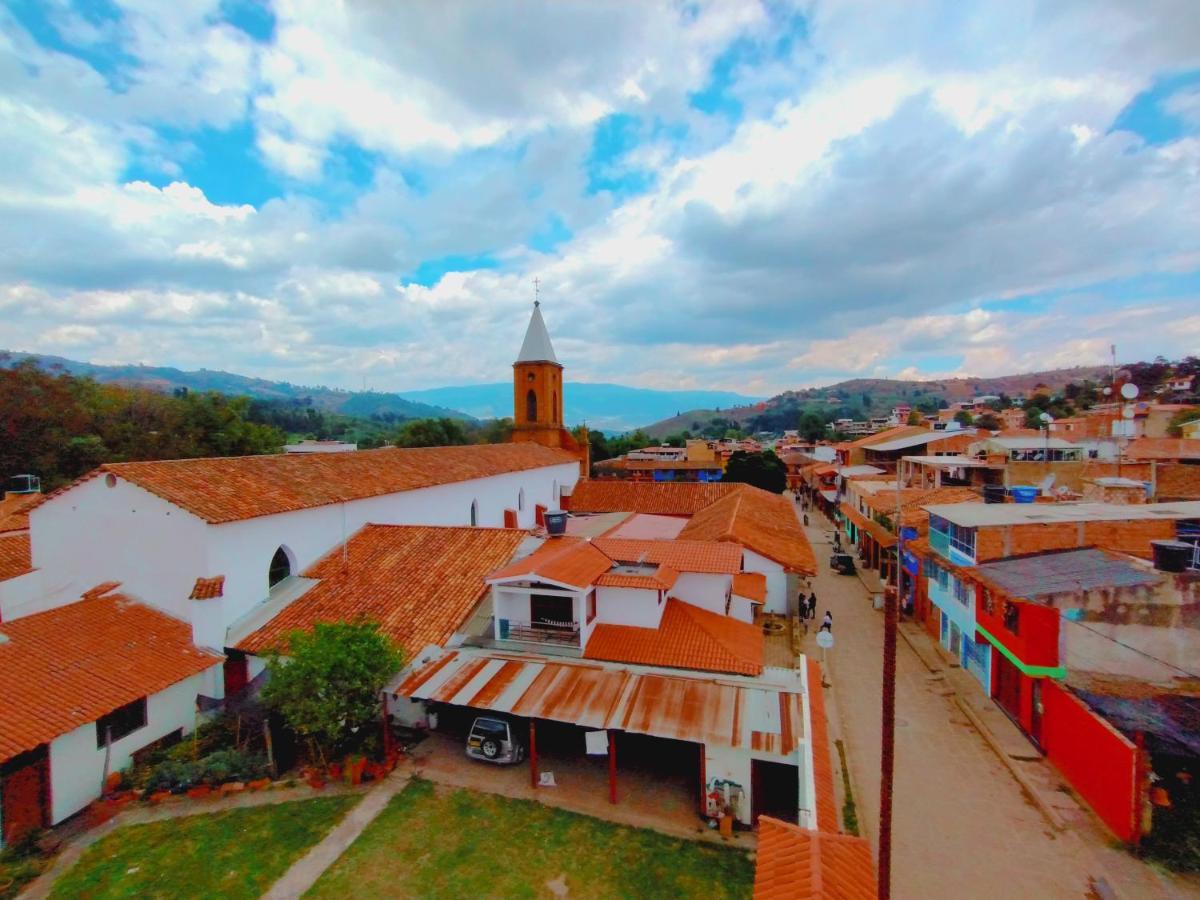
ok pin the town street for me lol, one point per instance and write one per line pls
(961, 824)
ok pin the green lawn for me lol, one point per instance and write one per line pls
(16, 870)
(236, 853)
(454, 843)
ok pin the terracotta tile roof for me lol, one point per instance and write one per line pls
(751, 585)
(794, 863)
(687, 638)
(760, 521)
(208, 588)
(566, 560)
(822, 758)
(1163, 448)
(662, 580)
(71, 665)
(230, 489)
(14, 511)
(419, 582)
(877, 531)
(15, 557)
(683, 499)
(889, 435)
(713, 557)
(912, 499)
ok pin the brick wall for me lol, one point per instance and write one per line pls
(1175, 481)
(1128, 537)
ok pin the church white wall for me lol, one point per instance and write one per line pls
(777, 582)
(94, 533)
(18, 595)
(77, 765)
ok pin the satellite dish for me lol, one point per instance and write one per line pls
(1046, 418)
(1129, 390)
(1127, 412)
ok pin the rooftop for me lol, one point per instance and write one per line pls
(1066, 572)
(69, 666)
(713, 557)
(14, 511)
(1031, 443)
(682, 499)
(794, 863)
(574, 562)
(687, 638)
(760, 521)
(904, 441)
(976, 514)
(536, 347)
(419, 582)
(230, 489)
(15, 556)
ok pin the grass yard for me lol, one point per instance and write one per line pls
(236, 853)
(455, 843)
(18, 869)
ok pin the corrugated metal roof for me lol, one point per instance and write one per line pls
(1057, 573)
(968, 514)
(912, 440)
(760, 717)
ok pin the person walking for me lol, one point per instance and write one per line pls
(812, 605)
(827, 622)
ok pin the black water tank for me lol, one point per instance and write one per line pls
(1172, 556)
(993, 493)
(556, 522)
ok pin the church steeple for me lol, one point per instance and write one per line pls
(536, 347)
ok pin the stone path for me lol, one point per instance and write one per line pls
(305, 871)
(963, 825)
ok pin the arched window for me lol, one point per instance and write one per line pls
(531, 405)
(554, 408)
(474, 513)
(281, 567)
(521, 499)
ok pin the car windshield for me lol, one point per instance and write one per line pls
(490, 728)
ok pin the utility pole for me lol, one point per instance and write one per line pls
(887, 755)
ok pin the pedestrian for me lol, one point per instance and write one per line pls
(806, 519)
(827, 622)
(812, 605)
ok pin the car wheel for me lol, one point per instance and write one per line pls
(490, 749)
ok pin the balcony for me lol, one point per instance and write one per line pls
(543, 631)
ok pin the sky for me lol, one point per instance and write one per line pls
(736, 195)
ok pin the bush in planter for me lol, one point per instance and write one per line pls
(232, 765)
(173, 775)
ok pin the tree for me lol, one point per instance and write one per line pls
(431, 433)
(763, 470)
(964, 418)
(989, 421)
(915, 418)
(812, 426)
(327, 686)
(1175, 426)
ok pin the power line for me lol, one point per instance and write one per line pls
(1138, 650)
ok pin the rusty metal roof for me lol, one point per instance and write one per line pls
(724, 712)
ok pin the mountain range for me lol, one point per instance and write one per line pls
(606, 407)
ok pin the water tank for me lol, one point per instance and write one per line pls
(1024, 493)
(993, 493)
(1172, 556)
(556, 522)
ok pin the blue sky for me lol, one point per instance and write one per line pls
(746, 196)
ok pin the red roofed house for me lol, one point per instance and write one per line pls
(103, 676)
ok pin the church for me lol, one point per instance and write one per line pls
(538, 396)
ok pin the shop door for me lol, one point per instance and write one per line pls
(1008, 686)
(1035, 722)
(24, 791)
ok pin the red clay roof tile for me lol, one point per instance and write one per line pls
(419, 582)
(14, 511)
(683, 499)
(230, 489)
(760, 521)
(713, 557)
(208, 588)
(751, 585)
(687, 637)
(15, 559)
(794, 863)
(567, 560)
(71, 665)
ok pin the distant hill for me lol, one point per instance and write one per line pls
(163, 378)
(873, 397)
(605, 407)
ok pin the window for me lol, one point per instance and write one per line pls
(531, 405)
(944, 535)
(474, 513)
(554, 405)
(1012, 617)
(281, 568)
(963, 592)
(521, 499)
(989, 602)
(591, 607)
(120, 722)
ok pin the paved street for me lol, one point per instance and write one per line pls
(962, 825)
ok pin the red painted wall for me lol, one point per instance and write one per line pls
(1099, 762)
(1036, 644)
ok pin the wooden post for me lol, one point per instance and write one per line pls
(612, 766)
(533, 766)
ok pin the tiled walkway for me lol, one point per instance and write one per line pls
(962, 825)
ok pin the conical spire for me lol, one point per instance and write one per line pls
(536, 347)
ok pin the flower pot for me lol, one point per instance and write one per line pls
(112, 782)
(199, 791)
(158, 797)
(354, 770)
(232, 787)
(259, 784)
(316, 782)
(335, 771)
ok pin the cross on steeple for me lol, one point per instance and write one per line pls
(537, 285)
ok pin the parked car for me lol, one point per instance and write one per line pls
(842, 563)
(492, 740)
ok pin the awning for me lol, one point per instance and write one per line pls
(703, 710)
(881, 535)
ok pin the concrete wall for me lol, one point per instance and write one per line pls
(77, 766)
(777, 583)
(729, 764)
(703, 590)
(18, 596)
(629, 606)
